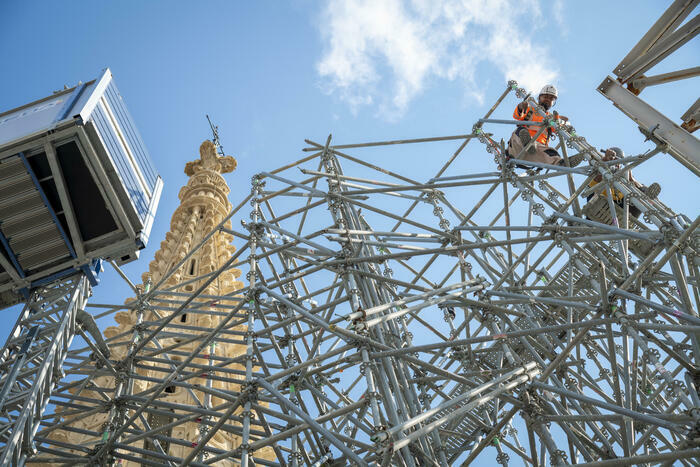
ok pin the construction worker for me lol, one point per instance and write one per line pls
(539, 150)
(651, 191)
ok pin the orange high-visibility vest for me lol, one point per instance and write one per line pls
(532, 115)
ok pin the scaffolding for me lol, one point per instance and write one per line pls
(494, 317)
(526, 314)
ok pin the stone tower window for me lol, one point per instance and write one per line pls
(193, 267)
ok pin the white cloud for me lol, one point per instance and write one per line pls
(382, 53)
(559, 14)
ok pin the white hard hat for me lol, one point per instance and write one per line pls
(549, 89)
(619, 153)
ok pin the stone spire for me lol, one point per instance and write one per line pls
(203, 205)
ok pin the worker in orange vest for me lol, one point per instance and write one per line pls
(539, 150)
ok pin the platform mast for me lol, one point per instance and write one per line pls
(69, 199)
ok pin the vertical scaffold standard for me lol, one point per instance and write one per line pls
(468, 318)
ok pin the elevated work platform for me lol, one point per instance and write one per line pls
(76, 185)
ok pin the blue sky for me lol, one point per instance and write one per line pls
(273, 73)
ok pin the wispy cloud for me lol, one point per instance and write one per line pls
(382, 53)
(559, 13)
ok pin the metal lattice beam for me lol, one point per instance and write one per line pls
(32, 363)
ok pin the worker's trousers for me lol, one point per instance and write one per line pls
(543, 153)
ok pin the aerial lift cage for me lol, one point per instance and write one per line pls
(76, 185)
